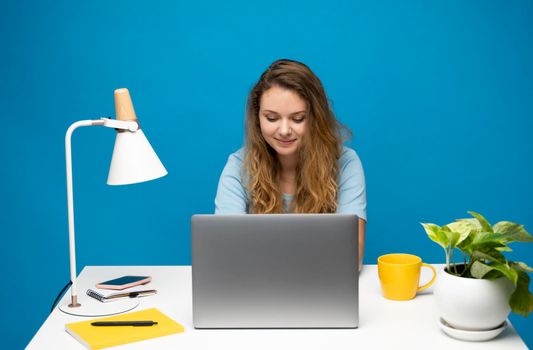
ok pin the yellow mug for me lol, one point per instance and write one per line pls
(399, 275)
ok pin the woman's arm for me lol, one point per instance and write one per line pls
(352, 193)
(231, 195)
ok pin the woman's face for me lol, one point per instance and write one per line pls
(283, 119)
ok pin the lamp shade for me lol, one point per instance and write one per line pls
(134, 160)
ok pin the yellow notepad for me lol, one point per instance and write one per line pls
(93, 337)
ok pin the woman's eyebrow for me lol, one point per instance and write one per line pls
(292, 114)
(300, 112)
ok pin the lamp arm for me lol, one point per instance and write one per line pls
(107, 122)
(130, 125)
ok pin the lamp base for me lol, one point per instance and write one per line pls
(95, 308)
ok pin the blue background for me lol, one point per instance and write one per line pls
(439, 96)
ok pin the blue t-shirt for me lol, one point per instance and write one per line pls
(233, 197)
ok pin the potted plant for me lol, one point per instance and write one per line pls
(478, 293)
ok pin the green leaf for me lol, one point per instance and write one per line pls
(521, 300)
(504, 249)
(466, 245)
(485, 225)
(435, 234)
(507, 271)
(483, 243)
(487, 237)
(521, 266)
(453, 238)
(492, 275)
(485, 246)
(479, 270)
(490, 255)
(463, 228)
(476, 226)
(482, 269)
(511, 232)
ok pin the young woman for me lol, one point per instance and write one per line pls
(293, 160)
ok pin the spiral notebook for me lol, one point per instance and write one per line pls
(105, 297)
(104, 337)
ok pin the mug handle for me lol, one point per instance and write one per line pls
(432, 279)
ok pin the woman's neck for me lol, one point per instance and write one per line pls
(288, 163)
(287, 176)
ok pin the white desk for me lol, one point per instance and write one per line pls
(383, 323)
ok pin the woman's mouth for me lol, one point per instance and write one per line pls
(285, 142)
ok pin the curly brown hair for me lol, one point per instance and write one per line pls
(317, 169)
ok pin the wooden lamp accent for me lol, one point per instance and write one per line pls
(123, 105)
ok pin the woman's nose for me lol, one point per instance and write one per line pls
(285, 128)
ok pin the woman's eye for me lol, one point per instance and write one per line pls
(271, 118)
(299, 119)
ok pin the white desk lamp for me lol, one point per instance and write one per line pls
(133, 161)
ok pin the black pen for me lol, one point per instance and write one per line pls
(124, 323)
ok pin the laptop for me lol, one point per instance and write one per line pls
(275, 271)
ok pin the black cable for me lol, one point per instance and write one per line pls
(60, 295)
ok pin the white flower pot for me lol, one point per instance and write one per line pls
(472, 304)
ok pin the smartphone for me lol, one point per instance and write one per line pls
(124, 282)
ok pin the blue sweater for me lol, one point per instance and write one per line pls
(233, 198)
